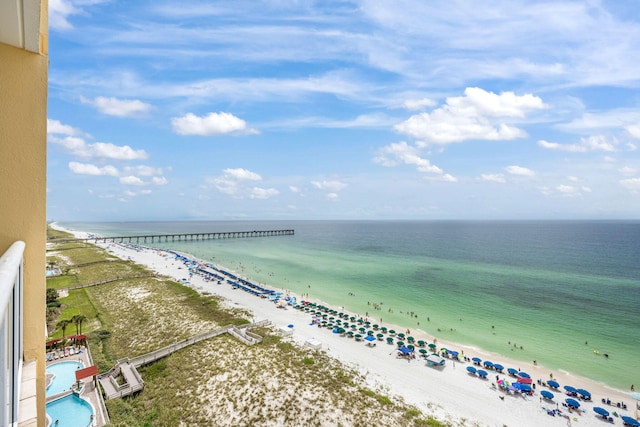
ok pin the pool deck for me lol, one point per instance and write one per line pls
(90, 392)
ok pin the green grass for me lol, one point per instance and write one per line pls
(60, 282)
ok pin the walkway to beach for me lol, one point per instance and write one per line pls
(123, 379)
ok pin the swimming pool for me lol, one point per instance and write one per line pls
(64, 376)
(70, 411)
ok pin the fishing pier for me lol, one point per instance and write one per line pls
(183, 237)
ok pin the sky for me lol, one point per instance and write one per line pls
(372, 109)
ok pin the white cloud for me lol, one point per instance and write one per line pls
(90, 169)
(209, 125)
(628, 171)
(519, 170)
(118, 107)
(59, 12)
(263, 193)
(79, 147)
(632, 184)
(159, 180)
(294, 189)
(332, 196)
(142, 170)
(496, 177)
(407, 154)
(634, 130)
(235, 183)
(472, 116)
(131, 180)
(56, 127)
(332, 186)
(592, 143)
(418, 104)
(444, 178)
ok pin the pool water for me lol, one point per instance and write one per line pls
(70, 411)
(64, 376)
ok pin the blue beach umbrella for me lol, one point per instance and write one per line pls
(601, 411)
(526, 388)
(512, 371)
(553, 384)
(523, 375)
(584, 393)
(572, 402)
(630, 421)
(370, 338)
(471, 369)
(488, 364)
(476, 360)
(498, 367)
(546, 394)
(404, 350)
(482, 373)
(570, 389)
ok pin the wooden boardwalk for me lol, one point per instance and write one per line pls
(130, 379)
(180, 237)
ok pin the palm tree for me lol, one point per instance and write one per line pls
(78, 319)
(63, 325)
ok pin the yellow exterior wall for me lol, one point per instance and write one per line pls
(23, 151)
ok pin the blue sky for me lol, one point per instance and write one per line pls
(285, 109)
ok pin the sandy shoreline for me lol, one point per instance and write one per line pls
(449, 393)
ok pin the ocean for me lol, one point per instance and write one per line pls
(553, 291)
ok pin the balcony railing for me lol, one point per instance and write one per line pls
(10, 333)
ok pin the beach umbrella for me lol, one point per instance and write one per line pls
(370, 333)
(380, 336)
(476, 360)
(358, 336)
(370, 338)
(423, 351)
(384, 329)
(471, 369)
(432, 346)
(572, 402)
(584, 393)
(345, 325)
(553, 384)
(526, 388)
(375, 326)
(352, 318)
(362, 330)
(389, 340)
(488, 364)
(482, 373)
(400, 344)
(546, 394)
(523, 375)
(411, 347)
(401, 335)
(404, 350)
(512, 371)
(570, 389)
(411, 339)
(601, 411)
(524, 380)
(354, 326)
(392, 332)
(630, 421)
(421, 343)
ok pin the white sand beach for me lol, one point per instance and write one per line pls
(449, 392)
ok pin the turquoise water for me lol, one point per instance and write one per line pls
(64, 377)
(558, 289)
(70, 411)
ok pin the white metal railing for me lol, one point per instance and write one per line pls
(10, 333)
